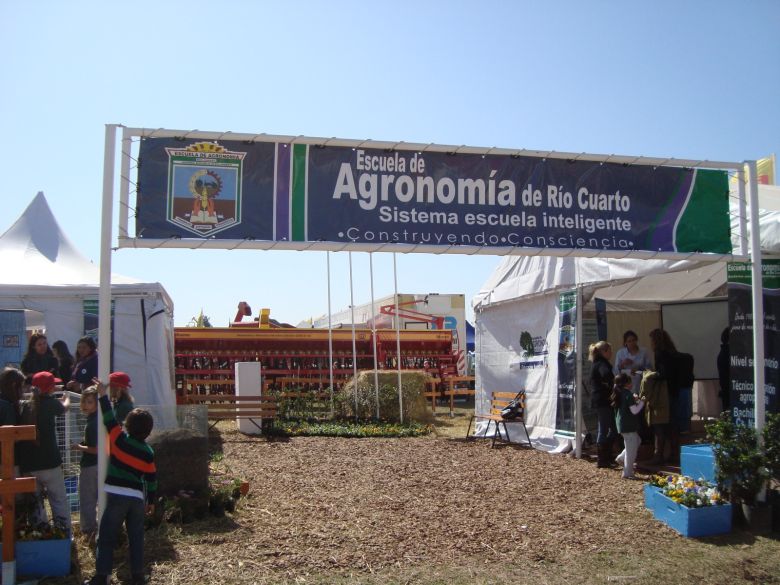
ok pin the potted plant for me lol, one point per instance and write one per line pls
(741, 469)
(221, 495)
(42, 549)
(694, 508)
(771, 436)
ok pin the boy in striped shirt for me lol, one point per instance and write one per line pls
(130, 483)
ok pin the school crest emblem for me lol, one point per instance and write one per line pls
(204, 187)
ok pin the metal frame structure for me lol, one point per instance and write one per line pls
(124, 240)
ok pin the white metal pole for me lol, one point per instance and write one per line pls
(398, 341)
(330, 339)
(758, 301)
(742, 211)
(104, 300)
(354, 349)
(373, 331)
(578, 421)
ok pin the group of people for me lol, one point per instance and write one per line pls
(27, 396)
(75, 372)
(636, 385)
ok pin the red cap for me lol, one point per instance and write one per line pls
(45, 381)
(119, 379)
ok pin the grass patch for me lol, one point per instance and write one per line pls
(303, 428)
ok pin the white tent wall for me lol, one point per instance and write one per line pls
(62, 315)
(518, 283)
(500, 365)
(151, 369)
(141, 348)
(44, 272)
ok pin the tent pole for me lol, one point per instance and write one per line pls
(578, 422)
(330, 339)
(398, 341)
(757, 290)
(104, 299)
(354, 348)
(373, 332)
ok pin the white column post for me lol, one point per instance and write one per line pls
(104, 299)
(757, 290)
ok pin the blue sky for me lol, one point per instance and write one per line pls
(695, 79)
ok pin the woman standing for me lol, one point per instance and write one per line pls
(663, 355)
(632, 359)
(601, 381)
(41, 457)
(64, 360)
(39, 357)
(86, 366)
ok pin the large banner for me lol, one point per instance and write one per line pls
(567, 362)
(306, 193)
(741, 339)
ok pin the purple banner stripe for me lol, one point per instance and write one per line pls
(283, 156)
(663, 237)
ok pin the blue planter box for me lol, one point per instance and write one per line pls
(43, 558)
(692, 522)
(697, 462)
(651, 492)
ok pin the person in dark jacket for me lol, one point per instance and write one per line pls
(64, 360)
(39, 357)
(601, 382)
(664, 351)
(86, 366)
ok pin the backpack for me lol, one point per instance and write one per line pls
(514, 409)
(683, 369)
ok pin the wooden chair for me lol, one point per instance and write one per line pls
(498, 401)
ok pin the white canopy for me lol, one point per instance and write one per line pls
(44, 272)
(522, 296)
(627, 280)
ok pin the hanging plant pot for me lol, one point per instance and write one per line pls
(243, 488)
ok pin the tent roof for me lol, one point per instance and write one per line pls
(36, 252)
(625, 280)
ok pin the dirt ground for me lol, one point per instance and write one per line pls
(436, 510)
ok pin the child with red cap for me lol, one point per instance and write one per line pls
(119, 385)
(41, 458)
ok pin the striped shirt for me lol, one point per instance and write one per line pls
(131, 469)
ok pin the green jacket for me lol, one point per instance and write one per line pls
(655, 392)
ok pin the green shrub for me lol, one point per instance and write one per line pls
(741, 465)
(341, 428)
(771, 436)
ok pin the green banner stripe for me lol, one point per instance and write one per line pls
(298, 206)
(704, 225)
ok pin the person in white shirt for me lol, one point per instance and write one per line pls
(632, 359)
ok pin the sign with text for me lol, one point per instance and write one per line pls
(741, 339)
(306, 193)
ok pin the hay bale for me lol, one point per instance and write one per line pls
(182, 459)
(415, 405)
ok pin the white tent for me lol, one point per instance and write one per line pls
(44, 273)
(522, 296)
